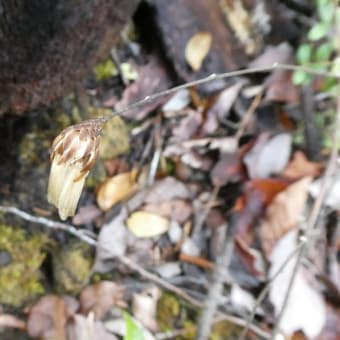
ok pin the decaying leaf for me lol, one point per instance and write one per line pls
(177, 102)
(229, 169)
(257, 194)
(280, 88)
(100, 298)
(221, 108)
(144, 307)
(306, 310)
(242, 24)
(176, 210)
(197, 49)
(116, 189)
(146, 224)
(300, 166)
(88, 328)
(11, 321)
(188, 126)
(112, 241)
(283, 213)
(332, 198)
(268, 157)
(167, 189)
(152, 78)
(48, 317)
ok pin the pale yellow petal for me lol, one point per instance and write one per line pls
(70, 193)
(56, 180)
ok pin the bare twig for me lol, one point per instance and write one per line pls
(216, 76)
(216, 288)
(54, 225)
(201, 216)
(246, 118)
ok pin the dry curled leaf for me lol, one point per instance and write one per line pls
(283, 213)
(268, 156)
(165, 190)
(88, 328)
(305, 310)
(116, 189)
(300, 166)
(11, 321)
(48, 317)
(112, 242)
(197, 49)
(144, 307)
(100, 298)
(146, 224)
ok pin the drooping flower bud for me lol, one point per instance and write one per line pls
(73, 154)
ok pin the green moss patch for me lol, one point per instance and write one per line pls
(20, 277)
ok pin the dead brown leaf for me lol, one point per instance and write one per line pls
(100, 298)
(229, 169)
(152, 78)
(268, 156)
(11, 321)
(197, 49)
(283, 213)
(112, 242)
(88, 328)
(165, 190)
(257, 194)
(331, 329)
(86, 214)
(176, 210)
(116, 189)
(300, 166)
(144, 307)
(188, 126)
(146, 224)
(280, 88)
(219, 111)
(48, 317)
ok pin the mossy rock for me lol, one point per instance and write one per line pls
(72, 265)
(22, 256)
(173, 314)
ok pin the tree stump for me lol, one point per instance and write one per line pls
(47, 46)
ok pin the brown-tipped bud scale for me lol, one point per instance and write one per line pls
(73, 154)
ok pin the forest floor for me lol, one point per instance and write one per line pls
(212, 209)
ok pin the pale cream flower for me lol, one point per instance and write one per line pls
(74, 152)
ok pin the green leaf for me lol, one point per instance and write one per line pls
(301, 78)
(133, 331)
(323, 52)
(318, 31)
(326, 12)
(304, 53)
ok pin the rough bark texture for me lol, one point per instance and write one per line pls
(45, 46)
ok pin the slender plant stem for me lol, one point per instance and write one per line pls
(216, 76)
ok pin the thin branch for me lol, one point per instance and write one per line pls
(216, 288)
(217, 76)
(54, 225)
(246, 118)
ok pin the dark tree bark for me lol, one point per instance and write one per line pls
(46, 46)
